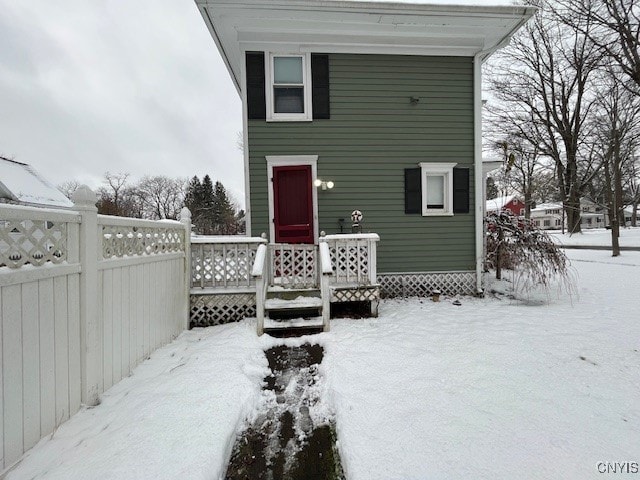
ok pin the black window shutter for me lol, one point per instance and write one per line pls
(320, 85)
(256, 106)
(460, 190)
(412, 190)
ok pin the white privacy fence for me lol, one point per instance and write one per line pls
(83, 299)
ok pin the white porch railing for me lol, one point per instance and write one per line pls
(222, 287)
(353, 258)
(230, 276)
(293, 266)
(223, 262)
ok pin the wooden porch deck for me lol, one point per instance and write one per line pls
(237, 277)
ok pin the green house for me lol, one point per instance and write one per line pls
(368, 106)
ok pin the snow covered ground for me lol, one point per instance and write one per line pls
(493, 389)
(629, 237)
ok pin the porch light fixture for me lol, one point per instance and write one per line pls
(322, 184)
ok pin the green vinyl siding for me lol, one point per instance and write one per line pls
(374, 133)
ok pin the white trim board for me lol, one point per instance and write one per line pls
(290, 160)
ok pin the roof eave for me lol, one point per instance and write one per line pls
(521, 13)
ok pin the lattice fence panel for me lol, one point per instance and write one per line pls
(422, 284)
(294, 266)
(222, 265)
(368, 294)
(208, 310)
(121, 241)
(32, 242)
(350, 262)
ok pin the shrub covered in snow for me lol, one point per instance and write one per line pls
(514, 243)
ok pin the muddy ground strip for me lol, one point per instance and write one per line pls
(289, 440)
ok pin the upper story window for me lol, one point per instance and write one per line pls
(289, 87)
(437, 188)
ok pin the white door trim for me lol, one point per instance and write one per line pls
(290, 160)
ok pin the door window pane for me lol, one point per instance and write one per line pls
(435, 191)
(288, 100)
(287, 70)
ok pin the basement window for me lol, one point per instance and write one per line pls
(288, 92)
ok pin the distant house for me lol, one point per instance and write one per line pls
(22, 185)
(592, 215)
(508, 203)
(547, 216)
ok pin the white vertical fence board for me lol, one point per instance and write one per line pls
(182, 298)
(169, 293)
(117, 325)
(107, 328)
(152, 280)
(75, 375)
(61, 348)
(133, 343)
(30, 364)
(47, 357)
(2, 464)
(126, 324)
(99, 326)
(140, 311)
(147, 309)
(12, 378)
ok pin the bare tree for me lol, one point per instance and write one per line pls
(116, 183)
(616, 122)
(162, 197)
(523, 169)
(68, 188)
(542, 84)
(633, 188)
(613, 26)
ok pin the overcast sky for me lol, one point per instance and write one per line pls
(132, 86)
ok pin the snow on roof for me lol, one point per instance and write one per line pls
(547, 206)
(496, 204)
(20, 183)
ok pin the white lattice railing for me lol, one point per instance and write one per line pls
(128, 237)
(293, 265)
(353, 257)
(223, 262)
(34, 236)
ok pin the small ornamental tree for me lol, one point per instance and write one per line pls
(514, 243)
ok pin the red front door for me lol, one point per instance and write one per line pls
(293, 204)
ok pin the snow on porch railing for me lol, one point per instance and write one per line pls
(353, 257)
(222, 262)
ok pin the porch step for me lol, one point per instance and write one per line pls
(293, 323)
(301, 302)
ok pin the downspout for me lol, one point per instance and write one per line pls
(245, 145)
(478, 60)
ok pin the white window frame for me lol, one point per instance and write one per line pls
(307, 115)
(437, 169)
